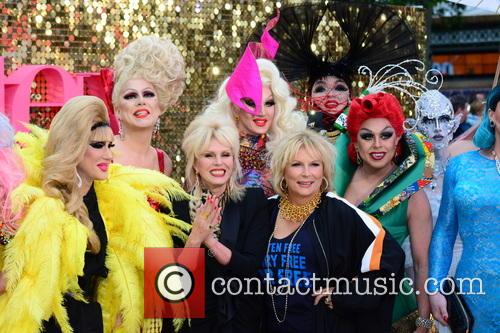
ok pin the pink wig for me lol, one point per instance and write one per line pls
(379, 105)
(11, 175)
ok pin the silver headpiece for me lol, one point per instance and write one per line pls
(398, 77)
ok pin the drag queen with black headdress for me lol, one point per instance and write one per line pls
(377, 36)
(76, 261)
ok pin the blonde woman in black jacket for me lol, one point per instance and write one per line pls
(318, 236)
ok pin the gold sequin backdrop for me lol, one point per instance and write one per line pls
(84, 35)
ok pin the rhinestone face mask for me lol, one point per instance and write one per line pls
(435, 118)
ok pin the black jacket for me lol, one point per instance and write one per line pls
(245, 230)
(349, 243)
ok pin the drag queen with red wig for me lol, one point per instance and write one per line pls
(381, 169)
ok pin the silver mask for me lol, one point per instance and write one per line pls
(435, 118)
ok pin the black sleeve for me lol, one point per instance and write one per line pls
(377, 258)
(180, 211)
(253, 236)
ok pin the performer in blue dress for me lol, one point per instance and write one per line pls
(471, 207)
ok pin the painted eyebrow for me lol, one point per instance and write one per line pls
(368, 130)
(135, 90)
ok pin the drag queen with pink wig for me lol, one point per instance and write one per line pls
(11, 175)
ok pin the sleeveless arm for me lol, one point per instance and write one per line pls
(445, 232)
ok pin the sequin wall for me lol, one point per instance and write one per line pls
(83, 36)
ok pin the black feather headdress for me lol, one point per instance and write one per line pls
(377, 36)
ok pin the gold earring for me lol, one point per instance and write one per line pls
(283, 188)
(326, 184)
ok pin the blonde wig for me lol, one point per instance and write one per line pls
(285, 120)
(69, 136)
(196, 140)
(285, 151)
(155, 60)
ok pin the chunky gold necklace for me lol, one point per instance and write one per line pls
(298, 213)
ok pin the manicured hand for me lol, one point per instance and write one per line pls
(326, 295)
(438, 308)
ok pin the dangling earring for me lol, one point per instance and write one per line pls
(121, 132)
(197, 182)
(229, 187)
(283, 188)
(396, 154)
(326, 184)
(79, 181)
(236, 118)
(156, 131)
(359, 161)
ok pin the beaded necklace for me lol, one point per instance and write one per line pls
(253, 154)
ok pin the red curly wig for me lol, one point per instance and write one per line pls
(379, 105)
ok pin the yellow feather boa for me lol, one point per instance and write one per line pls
(44, 259)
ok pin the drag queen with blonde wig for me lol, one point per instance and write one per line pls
(75, 263)
(148, 79)
(261, 130)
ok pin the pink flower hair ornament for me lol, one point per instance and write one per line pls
(245, 82)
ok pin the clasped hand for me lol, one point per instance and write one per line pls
(207, 220)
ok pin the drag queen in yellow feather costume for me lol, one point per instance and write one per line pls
(46, 258)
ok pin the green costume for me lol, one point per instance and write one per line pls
(389, 200)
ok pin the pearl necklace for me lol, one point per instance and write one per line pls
(497, 161)
(287, 267)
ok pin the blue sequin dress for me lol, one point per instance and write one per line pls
(471, 207)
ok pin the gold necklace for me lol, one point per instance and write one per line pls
(298, 213)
